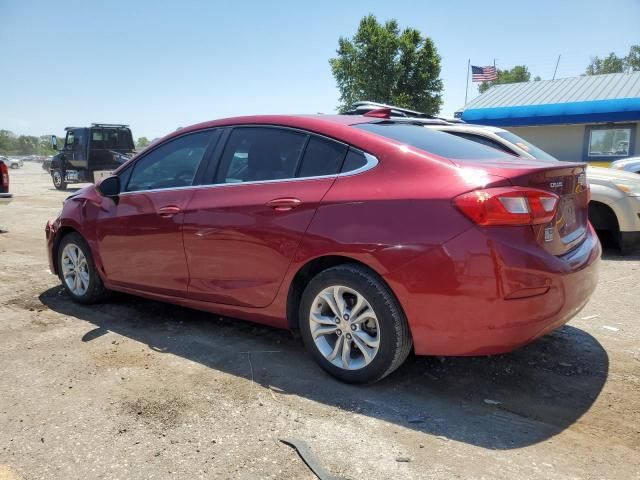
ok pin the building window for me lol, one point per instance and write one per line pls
(609, 142)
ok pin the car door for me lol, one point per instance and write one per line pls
(241, 232)
(140, 235)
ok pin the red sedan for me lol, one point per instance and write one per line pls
(371, 236)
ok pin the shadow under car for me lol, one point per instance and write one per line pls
(498, 402)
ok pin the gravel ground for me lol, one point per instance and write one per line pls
(136, 389)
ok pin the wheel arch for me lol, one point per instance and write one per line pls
(310, 270)
(603, 217)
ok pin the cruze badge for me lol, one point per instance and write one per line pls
(555, 185)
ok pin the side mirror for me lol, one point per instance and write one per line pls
(109, 187)
(54, 142)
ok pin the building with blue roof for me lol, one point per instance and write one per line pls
(590, 118)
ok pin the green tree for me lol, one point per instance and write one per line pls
(142, 142)
(610, 64)
(28, 145)
(519, 73)
(7, 142)
(382, 64)
(632, 60)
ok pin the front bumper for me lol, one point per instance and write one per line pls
(477, 296)
(5, 198)
(50, 231)
(627, 212)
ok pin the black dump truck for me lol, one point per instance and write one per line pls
(90, 153)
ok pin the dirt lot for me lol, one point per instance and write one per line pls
(138, 389)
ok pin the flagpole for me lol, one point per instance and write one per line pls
(466, 93)
(556, 70)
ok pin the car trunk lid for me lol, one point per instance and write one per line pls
(568, 181)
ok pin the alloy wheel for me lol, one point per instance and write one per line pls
(75, 269)
(344, 327)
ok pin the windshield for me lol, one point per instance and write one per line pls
(433, 141)
(530, 148)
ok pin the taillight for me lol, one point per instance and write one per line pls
(4, 174)
(508, 206)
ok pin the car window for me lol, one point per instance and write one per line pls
(322, 157)
(70, 140)
(259, 153)
(432, 141)
(111, 138)
(173, 164)
(528, 147)
(354, 160)
(481, 139)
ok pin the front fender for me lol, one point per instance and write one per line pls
(625, 208)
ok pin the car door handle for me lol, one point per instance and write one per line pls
(284, 204)
(168, 212)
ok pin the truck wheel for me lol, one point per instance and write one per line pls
(58, 179)
(14, 165)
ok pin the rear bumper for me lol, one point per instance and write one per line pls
(5, 198)
(483, 296)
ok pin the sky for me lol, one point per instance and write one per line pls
(159, 65)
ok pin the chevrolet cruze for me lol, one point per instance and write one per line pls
(371, 236)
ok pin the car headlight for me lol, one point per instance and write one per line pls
(617, 166)
(630, 188)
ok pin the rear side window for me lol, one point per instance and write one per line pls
(322, 157)
(257, 154)
(432, 141)
(173, 164)
(354, 161)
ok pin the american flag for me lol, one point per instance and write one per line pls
(483, 74)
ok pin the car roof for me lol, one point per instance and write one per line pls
(469, 127)
(332, 126)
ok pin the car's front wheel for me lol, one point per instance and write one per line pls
(77, 270)
(353, 325)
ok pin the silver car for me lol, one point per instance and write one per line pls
(12, 162)
(631, 164)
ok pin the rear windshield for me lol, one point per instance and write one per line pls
(432, 141)
(111, 138)
(530, 148)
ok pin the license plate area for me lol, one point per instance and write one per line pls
(567, 220)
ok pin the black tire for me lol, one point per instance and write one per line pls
(57, 176)
(394, 336)
(14, 166)
(95, 291)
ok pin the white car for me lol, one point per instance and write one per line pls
(631, 164)
(12, 162)
(614, 209)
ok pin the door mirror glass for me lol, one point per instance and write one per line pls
(54, 142)
(110, 187)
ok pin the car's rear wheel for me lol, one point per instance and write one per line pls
(353, 325)
(14, 165)
(58, 179)
(77, 270)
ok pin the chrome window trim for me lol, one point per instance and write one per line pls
(371, 162)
